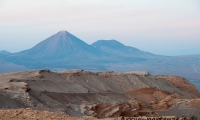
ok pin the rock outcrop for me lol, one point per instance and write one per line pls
(98, 94)
(182, 84)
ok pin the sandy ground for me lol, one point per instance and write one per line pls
(29, 114)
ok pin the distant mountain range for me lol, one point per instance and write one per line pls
(116, 48)
(4, 53)
(65, 51)
(60, 46)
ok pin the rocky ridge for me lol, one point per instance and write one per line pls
(98, 94)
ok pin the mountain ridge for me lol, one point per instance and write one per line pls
(116, 48)
(99, 94)
(63, 51)
(59, 46)
(4, 52)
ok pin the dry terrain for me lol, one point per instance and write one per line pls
(79, 93)
(29, 114)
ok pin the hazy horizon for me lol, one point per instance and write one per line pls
(158, 26)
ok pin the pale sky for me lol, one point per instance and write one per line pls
(164, 27)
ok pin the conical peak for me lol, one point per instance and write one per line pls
(63, 32)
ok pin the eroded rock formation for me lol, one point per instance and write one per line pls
(99, 94)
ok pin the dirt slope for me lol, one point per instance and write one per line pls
(98, 94)
(182, 84)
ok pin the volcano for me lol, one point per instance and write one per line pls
(60, 46)
(116, 48)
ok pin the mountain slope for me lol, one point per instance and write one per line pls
(10, 67)
(99, 94)
(116, 48)
(65, 51)
(4, 53)
(59, 46)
